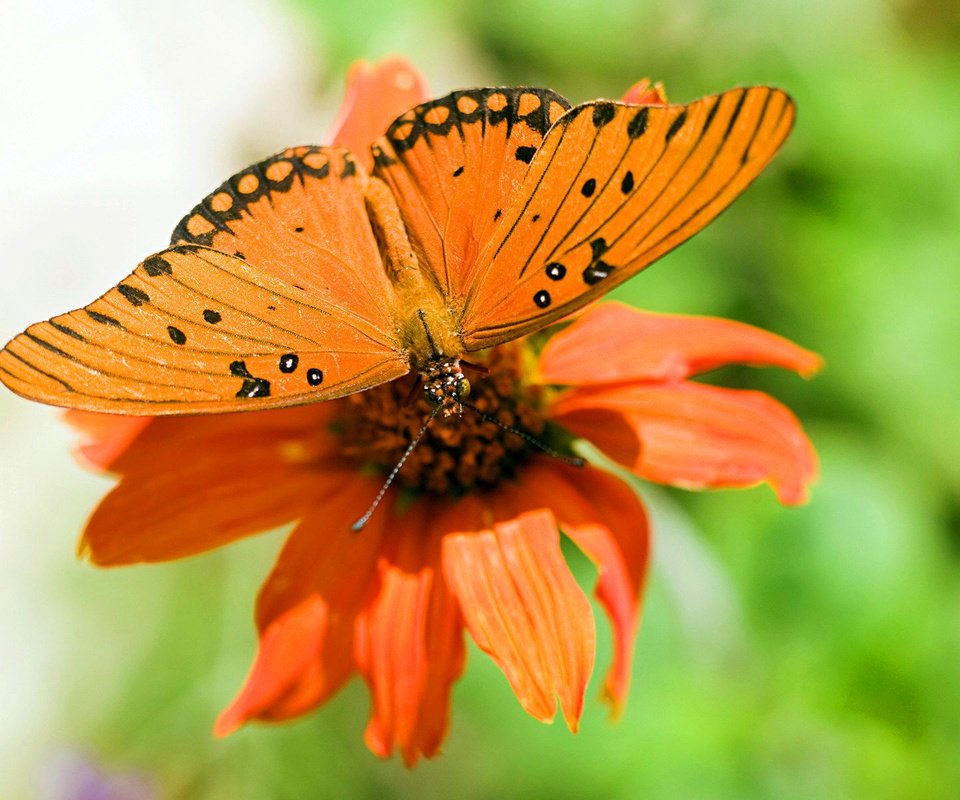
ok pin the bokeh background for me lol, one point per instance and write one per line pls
(785, 653)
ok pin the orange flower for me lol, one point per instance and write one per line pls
(469, 536)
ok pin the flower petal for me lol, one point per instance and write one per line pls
(525, 610)
(307, 608)
(376, 95)
(695, 436)
(188, 485)
(606, 519)
(410, 645)
(642, 346)
(643, 94)
(104, 436)
(288, 645)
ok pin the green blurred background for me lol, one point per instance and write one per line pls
(785, 653)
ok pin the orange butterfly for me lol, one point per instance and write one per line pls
(488, 214)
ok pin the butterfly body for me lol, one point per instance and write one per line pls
(485, 215)
(426, 321)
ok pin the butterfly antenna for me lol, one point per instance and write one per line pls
(360, 523)
(572, 460)
(426, 330)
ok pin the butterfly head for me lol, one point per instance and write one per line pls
(445, 385)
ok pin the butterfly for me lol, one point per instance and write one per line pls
(488, 214)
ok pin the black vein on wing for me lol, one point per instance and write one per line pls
(639, 185)
(736, 174)
(666, 184)
(35, 368)
(160, 343)
(107, 373)
(225, 330)
(596, 198)
(328, 312)
(559, 207)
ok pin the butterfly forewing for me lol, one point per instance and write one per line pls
(453, 162)
(195, 330)
(613, 188)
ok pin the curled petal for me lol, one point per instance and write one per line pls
(695, 436)
(319, 677)
(524, 609)
(188, 486)
(376, 95)
(642, 346)
(288, 645)
(307, 609)
(643, 94)
(104, 436)
(606, 519)
(410, 642)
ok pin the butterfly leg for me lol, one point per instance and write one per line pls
(414, 392)
(478, 368)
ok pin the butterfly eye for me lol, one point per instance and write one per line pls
(463, 388)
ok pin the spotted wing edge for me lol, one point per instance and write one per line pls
(234, 197)
(429, 188)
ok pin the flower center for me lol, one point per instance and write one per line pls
(460, 452)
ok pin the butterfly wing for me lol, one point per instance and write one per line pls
(453, 162)
(299, 216)
(612, 188)
(195, 330)
(273, 294)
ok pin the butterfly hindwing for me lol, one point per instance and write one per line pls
(453, 162)
(196, 330)
(300, 216)
(612, 188)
